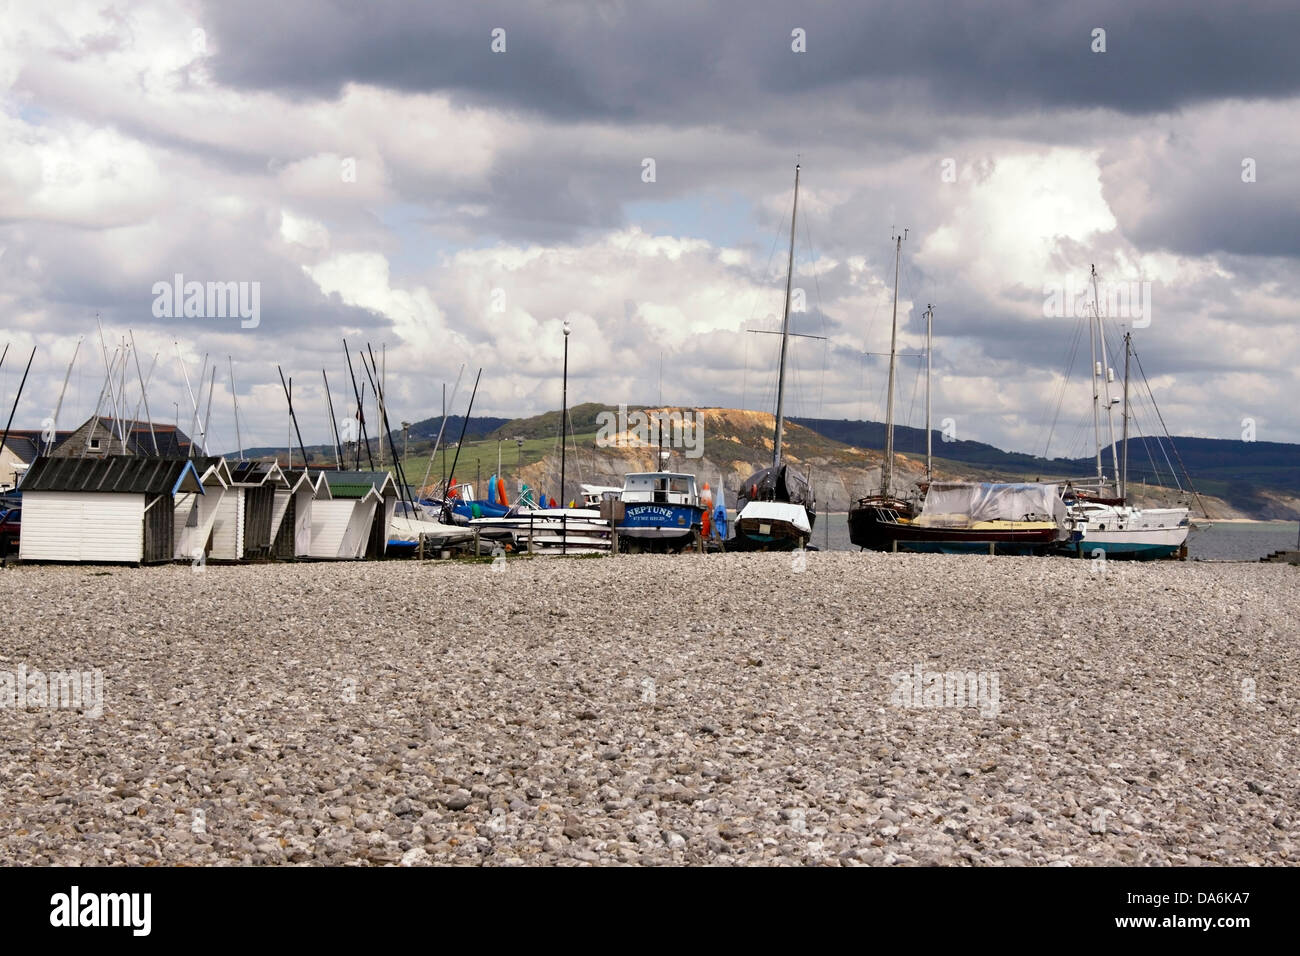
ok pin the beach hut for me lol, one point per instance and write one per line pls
(242, 528)
(351, 514)
(196, 514)
(291, 518)
(103, 510)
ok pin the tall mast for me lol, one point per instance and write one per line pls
(785, 332)
(1123, 475)
(1106, 375)
(144, 397)
(929, 339)
(207, 419)
(49, 445)
(334, 423)
(188, 388)
(234, 397)
(1093, 371)
(887, 469)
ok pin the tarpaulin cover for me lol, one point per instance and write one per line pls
(957, 504)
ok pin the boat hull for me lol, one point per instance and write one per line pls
(1138, 534)
(872, 521)
(772, 526)
(661, 522)
(894, 535)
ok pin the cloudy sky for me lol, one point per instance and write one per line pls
(454, 181)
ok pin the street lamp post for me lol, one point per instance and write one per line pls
(564, 412)
(406, 439)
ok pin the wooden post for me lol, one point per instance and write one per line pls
(992, 545)
(476, 543)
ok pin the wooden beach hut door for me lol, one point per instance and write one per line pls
(259, 504)
(228, 529)
(282, 524)
(195, 515)
(302, 504)
(357, 535)
(159, 515)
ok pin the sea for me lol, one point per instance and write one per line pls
(1209, 541)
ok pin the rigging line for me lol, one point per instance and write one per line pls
(821, 312)
(1060, 398)
(1186, 474)
(573, 440)
(911, 408)
(765, 277)
(1146, 446)
(821, 391)
(744, 375)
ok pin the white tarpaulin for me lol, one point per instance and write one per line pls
(952, 504)
(774, 511)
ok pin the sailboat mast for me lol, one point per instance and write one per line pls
(1106, 375)
(929, 440)
(49, 445)
(234, 398)
(1096, 393)
(785, 332)
(1123, 475)
(887, 469)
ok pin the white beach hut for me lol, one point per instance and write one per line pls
(103, 510)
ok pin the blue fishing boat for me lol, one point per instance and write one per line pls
(661, 510)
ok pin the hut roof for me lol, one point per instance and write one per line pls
(357, 484)
(248, 472)
(129, 474)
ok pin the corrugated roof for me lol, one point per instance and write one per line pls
(130, 474)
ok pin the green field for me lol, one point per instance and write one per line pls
(480, 458)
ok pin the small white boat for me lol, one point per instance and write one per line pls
(548, 530)
(1122, 531)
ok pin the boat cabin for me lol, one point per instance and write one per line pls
(660, 487)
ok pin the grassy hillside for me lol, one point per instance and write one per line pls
(1259, 479)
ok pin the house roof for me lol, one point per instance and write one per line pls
(130, 474)
(26, 442)
(172, 442)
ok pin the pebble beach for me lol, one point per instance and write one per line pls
(722, 709)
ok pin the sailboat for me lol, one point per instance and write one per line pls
(1109, 525)
(873, 520)
(777, 503)
(956, 517)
